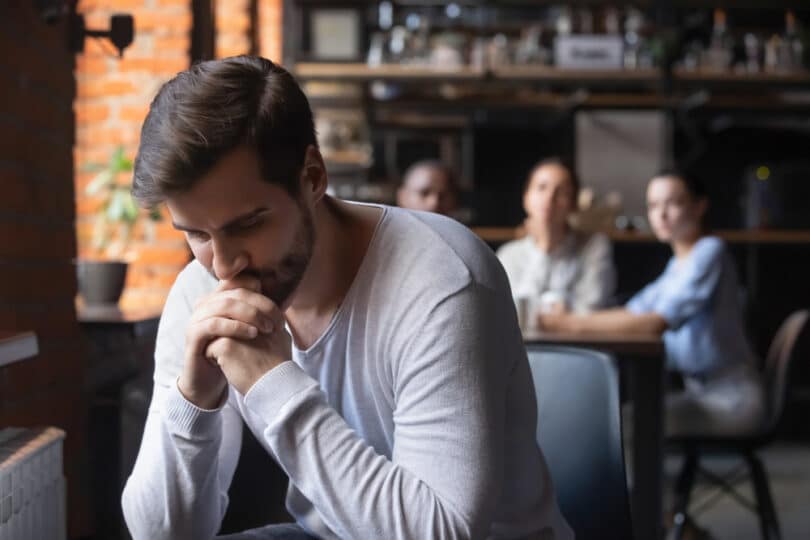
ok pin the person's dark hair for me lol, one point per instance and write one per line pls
(440, 166)
(559, 162)
(693, 184)
(212, 108)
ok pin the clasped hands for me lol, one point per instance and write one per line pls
(235, 335)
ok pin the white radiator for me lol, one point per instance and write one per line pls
(32, 486)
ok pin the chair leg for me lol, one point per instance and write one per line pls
(683, 489)
(767, 513)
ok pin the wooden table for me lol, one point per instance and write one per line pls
(642, 356)
(120, 344)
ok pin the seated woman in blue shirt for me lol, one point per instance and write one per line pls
(695, 305)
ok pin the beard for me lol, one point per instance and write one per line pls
(280, 283)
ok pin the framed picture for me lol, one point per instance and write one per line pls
(335, 34)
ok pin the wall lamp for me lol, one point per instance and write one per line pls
(120, 33)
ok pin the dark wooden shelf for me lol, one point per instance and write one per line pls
(554, 74)
(538, 73)
(619, 88)
(708, 77)
(505, 234)
(391, 72)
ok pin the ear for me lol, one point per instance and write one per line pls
(313, 178)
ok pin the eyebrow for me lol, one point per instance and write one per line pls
(229, 224)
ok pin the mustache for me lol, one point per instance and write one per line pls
(255, 273)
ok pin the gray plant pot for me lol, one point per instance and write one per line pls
(101, 282)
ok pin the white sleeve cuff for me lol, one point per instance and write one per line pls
(186, 419)
(275, 388)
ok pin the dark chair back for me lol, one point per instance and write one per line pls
(777, 364)
(579, 431)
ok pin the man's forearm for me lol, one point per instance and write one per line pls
(357, 492)
(174, 490)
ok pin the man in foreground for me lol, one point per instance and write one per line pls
(373, 352)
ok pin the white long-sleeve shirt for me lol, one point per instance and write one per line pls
(413, 416)
(580, 270)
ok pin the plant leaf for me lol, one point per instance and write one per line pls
(102, 180)
(93, 167)
(115, 210)
(130, 213)
(155, 215)
(100, 233)
(118, 162)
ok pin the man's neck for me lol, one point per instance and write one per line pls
(342, 235)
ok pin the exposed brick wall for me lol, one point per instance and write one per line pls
(113, 97)
(269, 34)
(234, 28)
(37, 243)
(112, 102)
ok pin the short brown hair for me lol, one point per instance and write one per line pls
(207, 111)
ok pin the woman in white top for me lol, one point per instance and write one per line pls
(555, 267)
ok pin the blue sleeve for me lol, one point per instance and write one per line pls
(688, 290)
(644, 300)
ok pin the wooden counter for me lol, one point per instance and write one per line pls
(741, 236)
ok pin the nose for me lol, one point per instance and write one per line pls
(228, 260)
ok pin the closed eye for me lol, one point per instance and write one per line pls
(245, 225)
(197, 235)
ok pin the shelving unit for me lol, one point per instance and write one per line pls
(408, 108)
(357, 72)
(361, 72)
(499, 235)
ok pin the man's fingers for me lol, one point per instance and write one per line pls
(234, 305)
(248, 282)
(217, 327)
(218, 348)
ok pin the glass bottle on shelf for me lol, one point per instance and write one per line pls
(376, 50)
(379, 39)
(585, 21)
(792, 43)
(612, 22)
(753, 53)
(420, 50)
(397, 44)
(633, 41)
(721, 46)
(385, 16)
(563, 21)
(772, 54)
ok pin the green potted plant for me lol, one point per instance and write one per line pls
(102, 277)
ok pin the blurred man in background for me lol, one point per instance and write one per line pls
(430, 186)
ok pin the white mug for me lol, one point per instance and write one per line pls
(523, 312)
(552, 302)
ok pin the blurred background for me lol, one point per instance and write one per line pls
(718, 88)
